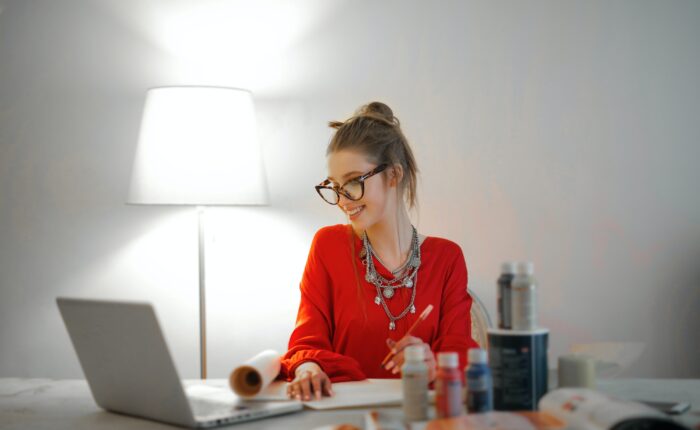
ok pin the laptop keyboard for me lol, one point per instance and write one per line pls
(208, 408)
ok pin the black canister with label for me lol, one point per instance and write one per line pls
(518, 360)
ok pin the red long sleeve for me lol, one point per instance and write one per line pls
(341, 328)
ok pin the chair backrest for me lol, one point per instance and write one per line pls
(481, 321)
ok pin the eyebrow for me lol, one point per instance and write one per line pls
(348, 175)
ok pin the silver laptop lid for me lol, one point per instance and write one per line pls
(125, 359)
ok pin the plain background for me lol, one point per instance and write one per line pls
(566, 133)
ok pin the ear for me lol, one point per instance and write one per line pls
(395, 175)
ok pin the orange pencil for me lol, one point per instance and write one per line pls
(421, 318)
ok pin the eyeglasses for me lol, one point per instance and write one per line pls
(353, 189)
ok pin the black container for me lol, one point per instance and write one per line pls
(518, 361)
(504, 303)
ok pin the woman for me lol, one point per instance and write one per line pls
(366, 283)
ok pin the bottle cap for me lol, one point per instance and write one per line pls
(478, 356)
(526, 268)
(414, 353)
(448, 359)
(508, 267)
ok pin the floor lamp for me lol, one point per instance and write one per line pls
(198, 146)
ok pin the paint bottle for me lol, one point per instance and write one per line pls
(448, 386)
(503, 293)
(524, 298)
(479, 382)
(414, 380)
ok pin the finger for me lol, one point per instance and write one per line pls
(398, 362)
(327, 386)
(391, 343)
(428, 353)
(408, 340)
(316, 385)
(395, 364)
(305, 384)
(400, 358)
(431, 363)
(296, 390)
(432, 373)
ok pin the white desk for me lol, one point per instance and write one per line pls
(67, 404)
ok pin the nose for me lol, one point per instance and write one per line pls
(342, 201)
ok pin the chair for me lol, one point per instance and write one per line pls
(481, 321)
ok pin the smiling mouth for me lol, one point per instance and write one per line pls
(355, 211)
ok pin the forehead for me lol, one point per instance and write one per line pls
(347, 164)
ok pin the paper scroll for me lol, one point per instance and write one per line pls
(255, 374)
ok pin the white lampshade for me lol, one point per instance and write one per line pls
(198, 146)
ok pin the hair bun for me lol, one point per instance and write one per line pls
(379, 110)
(335, 124)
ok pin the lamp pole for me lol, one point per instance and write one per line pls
(202, 295)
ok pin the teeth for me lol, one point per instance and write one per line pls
(356, 210)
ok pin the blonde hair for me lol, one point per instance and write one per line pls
(376, 132)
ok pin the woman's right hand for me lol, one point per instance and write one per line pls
(309, 380)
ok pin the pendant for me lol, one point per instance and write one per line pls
(377, 300)
(413, 309)
(369, 277)
(388, 293)
(408, 283)
(392, 326)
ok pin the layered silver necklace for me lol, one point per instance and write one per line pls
(406, 276)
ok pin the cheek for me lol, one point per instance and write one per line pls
(375, 199)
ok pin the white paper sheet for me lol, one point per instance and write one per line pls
(370, 392)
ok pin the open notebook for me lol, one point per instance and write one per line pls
(370, 392)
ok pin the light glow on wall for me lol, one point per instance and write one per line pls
(230, 43)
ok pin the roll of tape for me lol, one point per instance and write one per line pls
(576, 370)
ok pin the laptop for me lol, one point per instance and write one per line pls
(128, 367)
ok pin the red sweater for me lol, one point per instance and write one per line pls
(341, 328)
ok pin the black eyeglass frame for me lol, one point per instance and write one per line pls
(339, 189)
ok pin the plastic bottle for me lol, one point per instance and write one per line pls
(448, 386)
(504, 290)
(479, 382)
(414, 379)
(524, 298)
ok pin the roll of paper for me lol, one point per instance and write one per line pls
(255, 374)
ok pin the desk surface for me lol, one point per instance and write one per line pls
(68, 404)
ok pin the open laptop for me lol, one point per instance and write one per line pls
(129, 369)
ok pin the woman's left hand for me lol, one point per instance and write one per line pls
(394, 365)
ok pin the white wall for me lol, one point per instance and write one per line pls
(562, 132)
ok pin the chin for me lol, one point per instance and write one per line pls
(360, 224)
